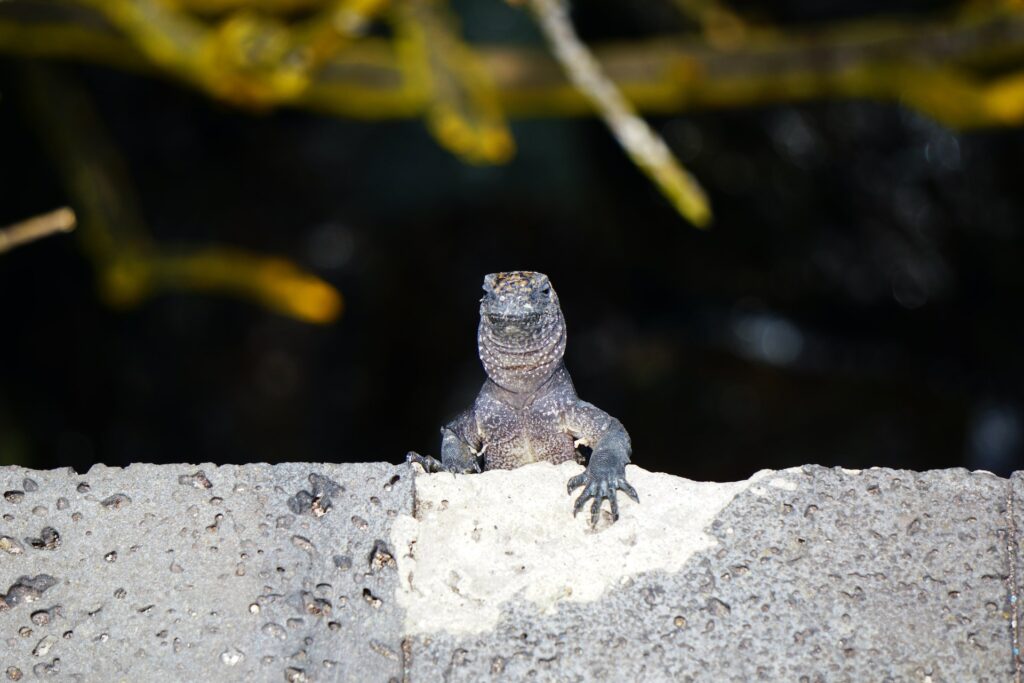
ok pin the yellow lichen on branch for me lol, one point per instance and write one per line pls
(132, 267)
(247, 56)
(463, 110)
(963, 66)
(721, 26)
(978, 54)
(272, 282)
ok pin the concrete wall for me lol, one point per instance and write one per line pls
(369, 572)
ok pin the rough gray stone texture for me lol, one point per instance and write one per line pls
(877, 575)
(161, 574)
(268, 575)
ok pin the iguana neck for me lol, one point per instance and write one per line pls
(524, 363)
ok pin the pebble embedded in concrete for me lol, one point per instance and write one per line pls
(314, 572)
(131, 574)
(806, 574)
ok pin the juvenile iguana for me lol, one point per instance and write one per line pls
(527, 410)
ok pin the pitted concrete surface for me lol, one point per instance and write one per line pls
(535, 550)
(826, 575)
(322, 573)
(179, 572)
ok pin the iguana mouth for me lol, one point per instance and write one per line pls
(513, 323)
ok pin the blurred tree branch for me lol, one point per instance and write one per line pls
(964, 68)
(130, 266)
(644, 146)
(977, 55)
(37, 227)
(720, 26)
(462, 106)
(247, 56)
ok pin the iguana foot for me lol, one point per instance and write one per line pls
(428, 462)
(600, 483)
(431, 464)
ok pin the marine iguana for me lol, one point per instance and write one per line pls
(527, 409)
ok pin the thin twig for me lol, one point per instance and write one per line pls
(645, 147)
(31, 229)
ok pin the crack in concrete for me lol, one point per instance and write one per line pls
(1011, 581)
(407, 651)
(406, 660)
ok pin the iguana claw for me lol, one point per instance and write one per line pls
(432, 464)
(600, 483)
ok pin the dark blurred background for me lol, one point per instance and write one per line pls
(856, 302)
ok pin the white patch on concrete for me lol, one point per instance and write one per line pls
(784, 484)
(484, 539)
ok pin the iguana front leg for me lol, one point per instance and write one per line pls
(461, 447)
(610, 451)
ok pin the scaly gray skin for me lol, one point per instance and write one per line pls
(528, 410)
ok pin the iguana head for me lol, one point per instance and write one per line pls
(518, 302)
(522, 332)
